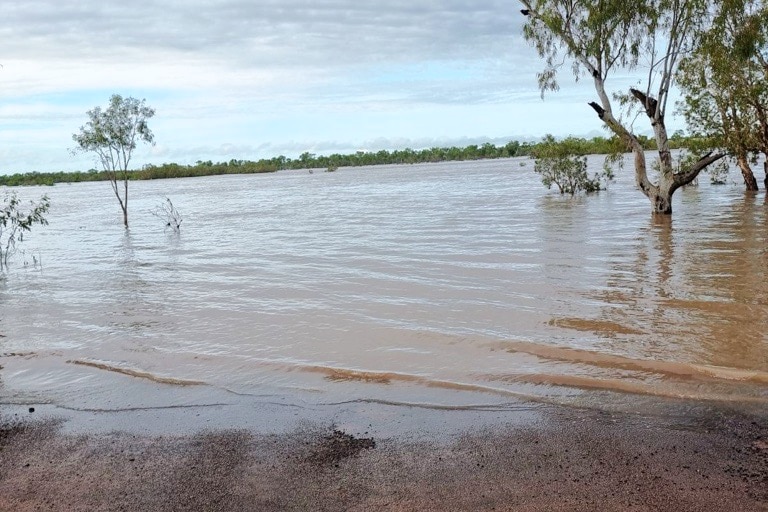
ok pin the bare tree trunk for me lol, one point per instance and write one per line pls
(662, 203)
(669, 181)
(746, 171)
(125, 204)
(765, 168)
(661, 196)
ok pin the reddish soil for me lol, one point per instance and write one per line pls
(576, 460)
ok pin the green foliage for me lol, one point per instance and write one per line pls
(594, 36)
(207, 168)
(725, 81)
(605, 38)
(112, 135)
(718, 173)
(562, 163)
(15, 221)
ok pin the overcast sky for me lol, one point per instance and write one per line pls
(252, 79)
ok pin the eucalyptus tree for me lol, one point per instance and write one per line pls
(113, 134)
(600, 38)
(725, 83)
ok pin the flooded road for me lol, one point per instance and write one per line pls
(460, 284)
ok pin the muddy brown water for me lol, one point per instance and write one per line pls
(446, 285)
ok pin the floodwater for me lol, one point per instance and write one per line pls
(450, 285)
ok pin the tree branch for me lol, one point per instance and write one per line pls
(648, 102)
(600, 111)
(702, 163)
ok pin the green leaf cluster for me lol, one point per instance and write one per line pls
(564, 164)
(595, 36)
(112, 135)
(605, 37)
(725, 82)
(114, 132)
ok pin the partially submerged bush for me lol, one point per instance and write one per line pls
(718, 173)
(564, 165)
(15, 221)
(168, 214)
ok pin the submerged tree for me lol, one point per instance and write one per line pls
(15, 220)
(168, 213)
(603, 37)
(725, 83)
(564, 164)
(113, 135)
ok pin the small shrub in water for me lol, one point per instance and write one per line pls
(718, 173)
(562, 164)
(14, 222)
(169, 214)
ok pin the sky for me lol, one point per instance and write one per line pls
(251, 79)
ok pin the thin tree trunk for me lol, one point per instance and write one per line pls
(746, 172)
(765, 168)
(661, 201)
(125, 204)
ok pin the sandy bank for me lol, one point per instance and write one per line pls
(569, 460)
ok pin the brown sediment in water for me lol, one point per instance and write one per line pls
(137, 373)
(729, 309)
(342, 374)
(574, 461)
(336, 374)
(623, 386)
(18, 354)
(603, 327)
(605, 360)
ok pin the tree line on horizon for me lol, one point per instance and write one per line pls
(716, 52)
(307, 160)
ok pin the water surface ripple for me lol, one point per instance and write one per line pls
(447, 283)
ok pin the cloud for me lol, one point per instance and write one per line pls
(266, 32)
(259, 75)
(53, 46)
